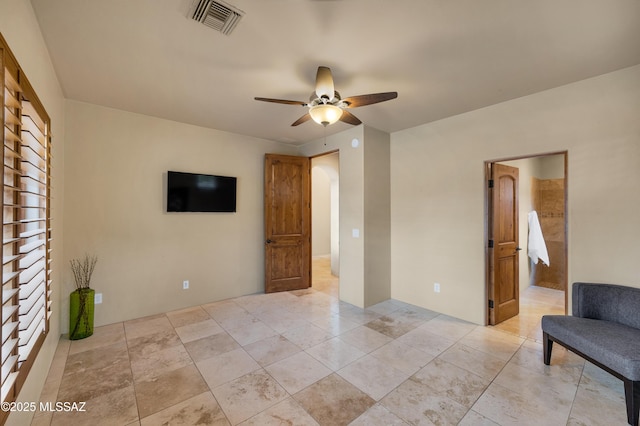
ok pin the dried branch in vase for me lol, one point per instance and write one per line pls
(83, 269)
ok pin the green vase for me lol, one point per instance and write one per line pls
(81, 313)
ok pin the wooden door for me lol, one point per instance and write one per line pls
(503, 244)
(287, 213)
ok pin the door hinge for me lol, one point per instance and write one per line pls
(490, 243)
(490, 304)
(490, 183)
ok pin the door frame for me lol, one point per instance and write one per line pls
(487, 175)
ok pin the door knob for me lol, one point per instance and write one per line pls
(518, 249)
(269, 241)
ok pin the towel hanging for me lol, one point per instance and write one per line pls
(537, 247)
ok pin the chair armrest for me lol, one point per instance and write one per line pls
(578, 299)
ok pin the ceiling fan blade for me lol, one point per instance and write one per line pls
(349, 118)
(324, 83)
(372, 98)
(302, 119)
(281, 101)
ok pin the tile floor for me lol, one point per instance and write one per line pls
(305, 358)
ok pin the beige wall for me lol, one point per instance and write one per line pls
(351, 207)
(437, 188)
(21, 31)
(551, 167)
(377, 220)
(320, 211)
(116, 165)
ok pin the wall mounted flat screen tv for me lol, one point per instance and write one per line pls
(189, 192)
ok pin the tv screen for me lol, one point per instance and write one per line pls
(189, 192)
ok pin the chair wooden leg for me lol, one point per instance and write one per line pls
(632, 398)
(547, 346)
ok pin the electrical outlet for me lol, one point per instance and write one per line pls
(97, 299)
(436, 287)
(185, 285)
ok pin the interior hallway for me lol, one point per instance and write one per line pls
(305, 358)
(534, 303)
(323, 279)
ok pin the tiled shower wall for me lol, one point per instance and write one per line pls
(548, 200)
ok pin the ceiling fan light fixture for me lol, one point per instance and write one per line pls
(325, 114)
(326, 106)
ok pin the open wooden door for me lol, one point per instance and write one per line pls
(287, 213)
(503, 265)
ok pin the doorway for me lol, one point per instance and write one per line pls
(542, 188)
(325, 226)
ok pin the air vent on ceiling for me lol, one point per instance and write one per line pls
(216, 14)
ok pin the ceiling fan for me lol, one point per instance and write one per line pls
(325, 104)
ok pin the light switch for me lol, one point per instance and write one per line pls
(355, 232)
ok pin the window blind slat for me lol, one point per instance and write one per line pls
(10, 153)
(6, 277)
(32, 233)
(10, 117)
(31, 246)
(9, 259)
(29, 280)
(7, 348)
(32, 123)
(31, 337)
(30, 322)
(10, 101)
(28, 260)
(10, 136)
(7, 384)
(31, 311)
(30, 129)
(11, 82)
(7, 294)
(35, 219)
(10, 240)
(28, 109)
(32, 148)
(32, 170)
(8, 365)
(8, 329)
(7, 312)
(33, 111)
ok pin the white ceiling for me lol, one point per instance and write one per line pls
(443, 57)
